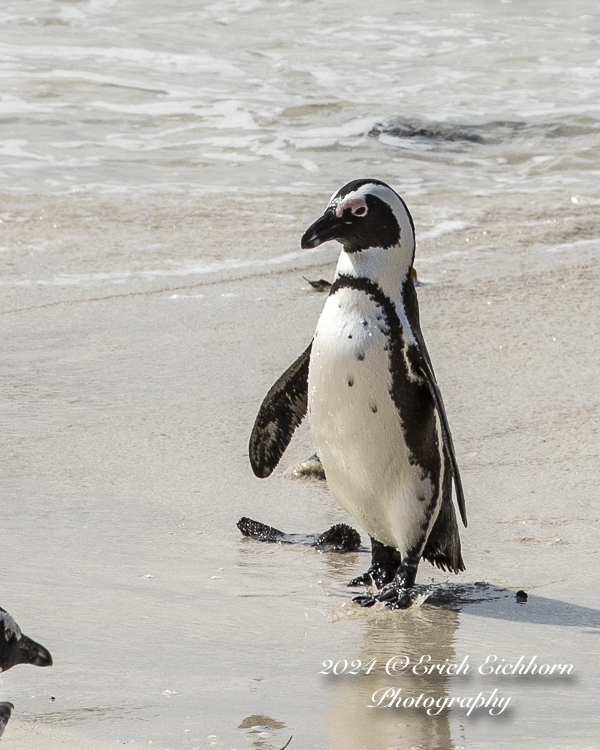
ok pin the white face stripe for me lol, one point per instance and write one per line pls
(352, 203)
(383, 192)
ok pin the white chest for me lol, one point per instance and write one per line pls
(355, 423)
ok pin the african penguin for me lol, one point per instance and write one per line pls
(17, 648)
(6, 710)
(376, 412)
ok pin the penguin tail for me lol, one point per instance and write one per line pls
(443, 545)
(441, 561)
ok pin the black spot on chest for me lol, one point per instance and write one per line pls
(409, 390)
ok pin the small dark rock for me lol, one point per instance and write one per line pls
(311, 468)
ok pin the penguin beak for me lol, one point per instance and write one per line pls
(328, 227)
(34, 653)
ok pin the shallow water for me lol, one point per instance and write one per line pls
(158, 169)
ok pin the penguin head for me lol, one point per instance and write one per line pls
(17, 648)
(6, 709)
(364, 215)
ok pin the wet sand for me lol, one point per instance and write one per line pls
(136, 355)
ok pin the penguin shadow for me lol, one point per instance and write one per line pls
(487, 600)
(480, 598)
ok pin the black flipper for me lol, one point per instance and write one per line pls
(282, 411)
(427, 370)
(412, 310)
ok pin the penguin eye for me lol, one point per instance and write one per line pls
(360, 211)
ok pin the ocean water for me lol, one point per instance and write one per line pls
(297, 95)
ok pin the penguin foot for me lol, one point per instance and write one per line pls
(392, 597)
(365, 600)
(362, 580)
(385, 565)
(400, 596)
(377, 575)
(395, 596)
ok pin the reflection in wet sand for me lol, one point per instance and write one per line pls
(352, 725)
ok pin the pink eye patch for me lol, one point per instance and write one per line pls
(354, 204)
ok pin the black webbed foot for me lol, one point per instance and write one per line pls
(395, 597)
(377, 575)
(365, 600)
(401, 592)
(385, 562)
(394, 579)
(339, 538)
(403, 601)
(362, 580)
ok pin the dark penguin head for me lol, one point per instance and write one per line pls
(17, 648)
(375, 227)
(6, 709)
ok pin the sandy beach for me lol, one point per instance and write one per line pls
(128, 401)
